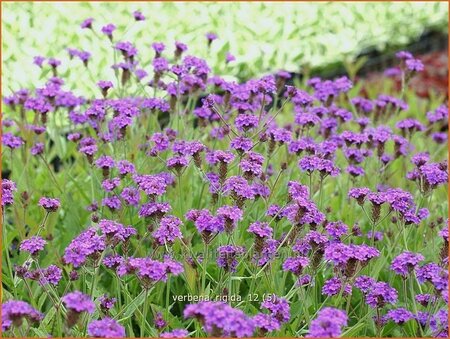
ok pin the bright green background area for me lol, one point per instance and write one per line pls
(263, 36)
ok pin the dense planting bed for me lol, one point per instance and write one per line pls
(264, 37)
(176, 203)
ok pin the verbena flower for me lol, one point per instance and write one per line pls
(266, 323)
(406, 262)
(328, 323)
(176, 333)
(8, 189)
(381, 294)
(168, 231)
(15, 311)
(77, 303)
(33, 245)
(49, 204)
(106, 328)
(227, 255)
(231, 215)
(333, 286)
(399, 315)
(278, 307)
(106, 302)
(87, 245)
(219, 319)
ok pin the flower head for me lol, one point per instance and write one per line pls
(78, 302)
(220, 319)
(328, 323)
(49, 204)
(106, 328)
(33, 245)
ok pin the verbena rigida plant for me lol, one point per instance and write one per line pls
(175, 203)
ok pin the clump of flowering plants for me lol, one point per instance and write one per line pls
(179, 204)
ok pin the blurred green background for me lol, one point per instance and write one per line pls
(263, 36)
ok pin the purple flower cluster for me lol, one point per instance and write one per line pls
(106, 328)
(253, 172)
(219, 319)
(328, 323)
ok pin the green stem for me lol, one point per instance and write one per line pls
(204, 264)
(144, 314)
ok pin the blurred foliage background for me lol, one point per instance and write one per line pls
(263, 36)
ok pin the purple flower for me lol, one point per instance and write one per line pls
(403, 55)
(33, 245)
(220, 319)
(336, 229)
(152, 185)
(78, 302)
(229, 57)
(278, 307)
(261, 229)
(364, 283)
(158, 47)
(239, 188)
(114, 231)
(168, 231)
(113, 203)
(108, 30)
(176, 333)
(439, 324)
(160, 65)
(8, 189)
(227, 257)
(406, 262)
(110, 184)
(241, 144)
(414, 65)
(150, 271)
(206, 223)
(84, 246)
(125, 167)
(131, 196)
(14, 311)
(381, 294)
(333, 286)
(376, 236)
(338, 253)
(49, 204)
(211, 37)
(50, 275)
(410, 125)
(246, 122)
(433, 174)
(11, 141)
(266, 323)
(126, 48)
(295, 265)
(37, 149)
(428, 272)
(154, 209)
(106, 328)
(38, 60)
(138, 16)
(180, 48)
(439, 137)
(105, 162)
(425, 299)
(106, 303)
(399, 315)
(328, 324)
(231, 214)
(440, 114)
(87, 23)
